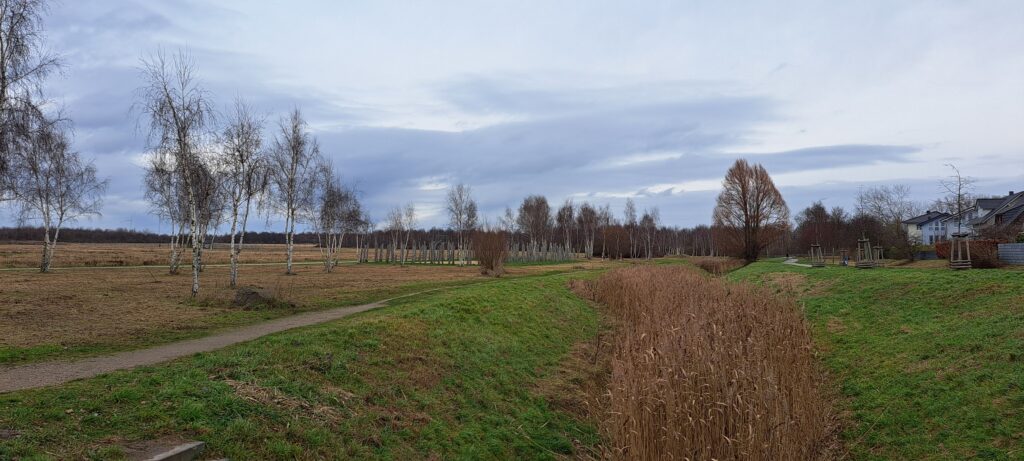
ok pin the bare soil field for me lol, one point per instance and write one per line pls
(115, 307)
(27, 254)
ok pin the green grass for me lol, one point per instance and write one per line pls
(226, 320)
(928, 363)
(451, 374)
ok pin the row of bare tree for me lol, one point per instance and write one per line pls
(205, 169)
(40, 172)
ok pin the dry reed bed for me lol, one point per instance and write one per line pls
(704, 369)
(717, 265)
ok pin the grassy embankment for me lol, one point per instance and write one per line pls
(74, 313)
(929, 363)
(446, 375)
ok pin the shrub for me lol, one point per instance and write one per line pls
(490, 250)
(1020, 237)
(705, 369)
(984, 253)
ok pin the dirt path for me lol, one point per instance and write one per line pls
(58, 372)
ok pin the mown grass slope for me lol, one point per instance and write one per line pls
(929, 362)
(448, 375)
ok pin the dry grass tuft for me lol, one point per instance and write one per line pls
(703, 369)
(274, 398)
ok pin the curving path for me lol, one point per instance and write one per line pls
(57, 372)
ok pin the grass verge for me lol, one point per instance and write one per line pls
(446, 375)
(930, 363)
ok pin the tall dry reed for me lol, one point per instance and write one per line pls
(703, 369)
(718, 265)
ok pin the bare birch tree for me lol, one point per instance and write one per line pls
(587, 221)
(395, 225)
(54, 186)
(409, 223)
(534, 219)
(179, 117)
(292, 159)
(461, 212)
(244, 166)
(400, 224)
(629, 220)
(565, 220)
(24, 64)
(168, 201)
(335, 212)
(648, 228)
(605, 220)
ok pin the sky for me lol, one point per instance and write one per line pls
(583, 100)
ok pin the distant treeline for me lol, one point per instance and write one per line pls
(121, 235)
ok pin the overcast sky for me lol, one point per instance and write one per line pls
(586, 100)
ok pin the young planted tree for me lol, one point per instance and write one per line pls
(749, 209)
(292, 161)
(959, 196)
(54, 186)
(245, 174)
(179, 117)
(24, 64)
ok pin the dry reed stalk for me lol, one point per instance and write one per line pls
(704, 369)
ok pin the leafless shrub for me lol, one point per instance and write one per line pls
(490, 249)
(703, 369)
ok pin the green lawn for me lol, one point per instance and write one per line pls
(450, 375)
(928, 363)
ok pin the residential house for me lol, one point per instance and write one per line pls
(960, 223)
(928, 228)
(999, 213)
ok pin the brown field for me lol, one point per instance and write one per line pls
(117, 307)
(27, 254)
